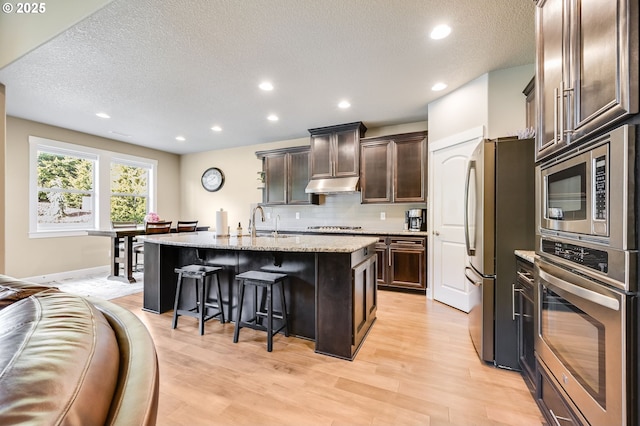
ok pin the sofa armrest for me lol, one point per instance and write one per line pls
(135, 399)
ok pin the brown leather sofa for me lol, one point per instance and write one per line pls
(70, 360)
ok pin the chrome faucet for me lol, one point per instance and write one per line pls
(275, 233)
(253, 219)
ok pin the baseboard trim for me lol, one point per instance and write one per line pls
(78, 273)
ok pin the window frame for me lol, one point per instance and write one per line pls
(102, 182)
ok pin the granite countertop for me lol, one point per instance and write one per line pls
(365, 231)
(527, 255)
(288, 242)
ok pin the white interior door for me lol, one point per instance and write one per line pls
(447, 255)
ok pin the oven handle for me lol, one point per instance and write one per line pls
(592, 296)
(556, 419)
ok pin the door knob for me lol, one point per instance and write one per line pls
(436, 233)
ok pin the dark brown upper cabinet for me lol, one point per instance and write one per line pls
(394, 168)
(286, 175)
(334, 150)
(587, 69)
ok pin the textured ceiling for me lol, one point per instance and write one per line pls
(177, 67)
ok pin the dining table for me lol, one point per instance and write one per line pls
(122, 243)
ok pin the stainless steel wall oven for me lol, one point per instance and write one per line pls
(585, 341)
(586, 277)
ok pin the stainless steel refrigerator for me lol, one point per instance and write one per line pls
(499, 218)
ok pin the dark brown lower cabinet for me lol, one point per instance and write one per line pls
(525, 318)
(364, 298)
(402, 263)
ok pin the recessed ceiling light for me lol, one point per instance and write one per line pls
(266, 86)
(181, 138)
(273, 117)
(438, 86)
(216, 128)
(103, 115)
(344, 104)
(440, 32)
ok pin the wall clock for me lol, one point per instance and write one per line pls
(212, 179)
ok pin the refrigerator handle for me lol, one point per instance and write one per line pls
(471, 280)
(471, 251)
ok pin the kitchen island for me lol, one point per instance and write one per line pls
(330, 292)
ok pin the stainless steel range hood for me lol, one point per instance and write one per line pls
(332, 185)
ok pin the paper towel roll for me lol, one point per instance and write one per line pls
(222, 227)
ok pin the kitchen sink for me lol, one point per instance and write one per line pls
(271, 234)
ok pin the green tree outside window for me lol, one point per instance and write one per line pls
(129, 192)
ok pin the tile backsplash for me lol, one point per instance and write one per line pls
(337, 209)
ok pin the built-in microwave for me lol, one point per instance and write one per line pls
(588, 194)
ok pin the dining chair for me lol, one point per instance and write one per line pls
(186, 226)
(161, 227)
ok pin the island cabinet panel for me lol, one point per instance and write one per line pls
(346, 301)
(364, 298)
(335, 150)
(394, 168)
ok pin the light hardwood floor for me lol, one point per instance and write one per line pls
(417, 367)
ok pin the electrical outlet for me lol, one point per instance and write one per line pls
(109, 253)
(268, 215)
(297, 215)
(383, 216)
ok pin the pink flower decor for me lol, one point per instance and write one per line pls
(152, 217)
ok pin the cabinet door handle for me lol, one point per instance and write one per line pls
(514, 290)
(526, 277)
(556, 95)
(561, 115)
(567, 92)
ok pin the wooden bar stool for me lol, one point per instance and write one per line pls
(266, 280)
(201, 275)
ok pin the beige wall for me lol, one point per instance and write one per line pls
(31, 257)
(507, 111)
(460, 110)
(240, 192)
(240, 167)
(494, 101)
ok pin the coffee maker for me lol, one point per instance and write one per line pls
(416, 219)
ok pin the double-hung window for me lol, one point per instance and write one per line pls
(129, 190)
(74, 188)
